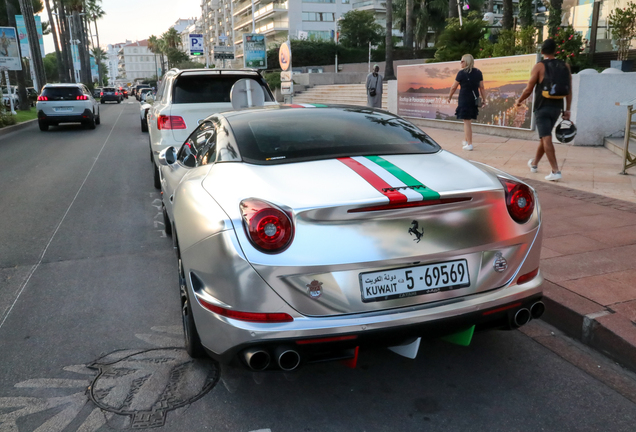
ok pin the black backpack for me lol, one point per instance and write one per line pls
(556, 79)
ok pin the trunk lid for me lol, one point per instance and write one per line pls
(337, 248)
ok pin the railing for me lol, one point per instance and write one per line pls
(629, 161)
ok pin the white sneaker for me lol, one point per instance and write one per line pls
(533, 168)
(554, 176)
(468, 147)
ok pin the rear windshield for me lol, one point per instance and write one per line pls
(209, 88)
(272, 136)
(61, 93)
(108, 89)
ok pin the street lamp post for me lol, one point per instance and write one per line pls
(336, 36)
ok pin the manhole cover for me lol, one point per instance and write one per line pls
(147, 384)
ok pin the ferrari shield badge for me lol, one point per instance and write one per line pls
(315, 289)
(500, 262)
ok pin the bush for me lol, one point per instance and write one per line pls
(6, 118)
(316, 53)
(401, 53)
(456, 40)
(570, 47)
(273, 79)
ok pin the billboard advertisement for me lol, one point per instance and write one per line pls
(9, 54)
(423, 90)
(254, 51)
(24, 40)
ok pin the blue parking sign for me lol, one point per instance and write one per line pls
(196, 44)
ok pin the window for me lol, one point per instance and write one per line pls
(265, 138)
(208, 88)
(317, 16)
(191, 151)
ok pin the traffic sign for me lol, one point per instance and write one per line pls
(284, 56)
(287, 88)
(196, 44)
(286, 76)
(222, 52)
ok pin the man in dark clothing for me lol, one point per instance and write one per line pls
(546, 110)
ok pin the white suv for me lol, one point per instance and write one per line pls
(185, 98)
(67, 103)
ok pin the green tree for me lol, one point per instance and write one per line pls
(554, 20)
(456, 40)
(50, 67)
(623, 25)
(358, 28)
(526, 13)
(100, 55)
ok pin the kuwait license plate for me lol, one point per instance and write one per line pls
(412, 281)
(63, 109)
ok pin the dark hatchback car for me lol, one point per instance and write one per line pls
(111, 94)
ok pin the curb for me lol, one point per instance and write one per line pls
(580, 318)
(8, 129)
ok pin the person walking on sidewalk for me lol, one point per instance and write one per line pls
(471, 83)
(374, 88)
(551, 80)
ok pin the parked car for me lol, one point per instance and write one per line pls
(32, 94)
(143, 114)
(136, 89)
(304, 233)
(7, 97)
(187, 96)
(143, 93)
(97, 91)
(67, 103)
(110, 94)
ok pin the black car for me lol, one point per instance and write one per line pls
(110, 94)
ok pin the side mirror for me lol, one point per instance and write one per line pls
(168, 156)
(150, 99)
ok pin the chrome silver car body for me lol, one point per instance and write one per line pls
(345, 241)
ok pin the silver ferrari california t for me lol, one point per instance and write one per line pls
(305, 232)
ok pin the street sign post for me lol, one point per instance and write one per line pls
(286, 84)
(196, 44)
(222, 52)
(286, 76)
(254, 51)
(287, 88)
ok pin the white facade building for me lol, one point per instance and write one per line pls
(181, 24)
(136, 61)
(225, 21)
(113, 61)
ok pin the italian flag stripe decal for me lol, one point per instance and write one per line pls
(405, 177)
(391, 181)
(374, 180)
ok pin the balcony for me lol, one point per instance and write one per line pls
(261, 14)
(273, 26)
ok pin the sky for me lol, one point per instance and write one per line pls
(136, 19)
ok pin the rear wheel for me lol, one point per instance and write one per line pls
(91, 122)
(157, 178)
(166, 221)
(43, 126)
(118, 100)
(144, 125)
(191, 336)
(101, 102)
(98, 119)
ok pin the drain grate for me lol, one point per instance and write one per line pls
(147, 384)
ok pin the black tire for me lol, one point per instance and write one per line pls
(102, 102)
(192, 340)
(157, 178)
(118, 100)
(43, 126)
(144, 125)
(98, 119)
(167, 225)
(91, 122)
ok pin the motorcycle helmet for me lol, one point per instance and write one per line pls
(565, 131)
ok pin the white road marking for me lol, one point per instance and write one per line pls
(35, 267)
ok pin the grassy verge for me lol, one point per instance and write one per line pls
(23, 116)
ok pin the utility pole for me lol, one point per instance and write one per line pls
(34, 43)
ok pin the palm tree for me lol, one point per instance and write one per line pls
(171, 38)
(389, 74)
(408, 28)
(153, 46)
(58, 55)
(100, 55)
(507, 20)
(94, 12)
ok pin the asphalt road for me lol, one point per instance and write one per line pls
(90, 330)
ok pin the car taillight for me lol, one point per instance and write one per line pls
(267, 227)
(519, 200)
(42, 98)
(528, 276)
(170, 122)
(101, 94)
(82, 97)
(257, 317)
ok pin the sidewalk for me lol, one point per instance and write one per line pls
(588, 257)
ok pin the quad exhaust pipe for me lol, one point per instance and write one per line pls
(258, 359)
(524, 315)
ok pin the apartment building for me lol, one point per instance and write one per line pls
(225, 21)
(113, 60)
(137, 61)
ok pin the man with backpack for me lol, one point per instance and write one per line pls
(551, 80)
